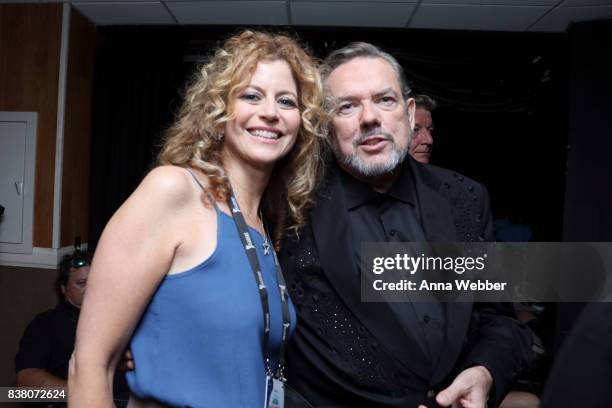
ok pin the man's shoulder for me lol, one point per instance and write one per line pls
(46, 316)
(40, 327)
(446, 179)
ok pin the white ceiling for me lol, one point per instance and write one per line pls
(486, 15)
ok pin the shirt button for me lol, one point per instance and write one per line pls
(431, 394)
(392, 233)
(426, 319)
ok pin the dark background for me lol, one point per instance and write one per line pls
(527, 114)
(504, 101)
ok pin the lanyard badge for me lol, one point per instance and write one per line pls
(274, 396)
(275, 393)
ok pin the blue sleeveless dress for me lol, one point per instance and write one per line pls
(199, 342)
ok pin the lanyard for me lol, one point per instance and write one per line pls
(251, 253)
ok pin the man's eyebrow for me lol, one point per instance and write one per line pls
(342, 98)
(386, 92)
(378, 94)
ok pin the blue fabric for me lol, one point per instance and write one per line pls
(199, 342)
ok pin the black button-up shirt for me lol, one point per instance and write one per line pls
(393, 216)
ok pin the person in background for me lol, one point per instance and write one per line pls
(422, 139)
(47, 343)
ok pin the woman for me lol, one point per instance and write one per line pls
(177, 266)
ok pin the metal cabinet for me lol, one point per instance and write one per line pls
(17, 169)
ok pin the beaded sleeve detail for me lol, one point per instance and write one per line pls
(348, 346)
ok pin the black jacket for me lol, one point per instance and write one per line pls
(346, 353)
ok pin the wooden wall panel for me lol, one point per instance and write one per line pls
(24, 292)
(77, 130)
(30, 37)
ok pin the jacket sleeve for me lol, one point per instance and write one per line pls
(498, 340)
(501, 344)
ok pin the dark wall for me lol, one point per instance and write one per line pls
(588, 211)
(588, 196)
(24, 292)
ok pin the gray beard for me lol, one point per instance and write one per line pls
(359, 166)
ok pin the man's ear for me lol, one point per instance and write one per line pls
(411, 109)
(63, 289)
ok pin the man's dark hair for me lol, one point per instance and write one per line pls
(425, 102)
(76, 259)
(363, 50)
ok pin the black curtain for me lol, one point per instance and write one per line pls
(138, 78)
(502, 118)
(588, 215)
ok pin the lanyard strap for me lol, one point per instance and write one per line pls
(251, 253)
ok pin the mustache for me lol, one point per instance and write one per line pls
(373, 132)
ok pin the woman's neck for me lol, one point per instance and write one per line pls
(248, 184)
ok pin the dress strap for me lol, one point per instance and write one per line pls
(210, 198)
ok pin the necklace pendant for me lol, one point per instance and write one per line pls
(266, 248)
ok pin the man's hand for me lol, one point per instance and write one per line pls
(469, 390)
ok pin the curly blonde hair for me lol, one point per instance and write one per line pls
(196, 137)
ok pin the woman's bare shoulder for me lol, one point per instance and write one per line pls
(168, 179)
(170, 184)
(166, 195)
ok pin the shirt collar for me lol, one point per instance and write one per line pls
(357, 192)
(71, 309)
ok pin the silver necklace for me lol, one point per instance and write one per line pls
(266, 244)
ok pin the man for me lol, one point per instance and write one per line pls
(346, 353)
(47, 343)
(422, 139)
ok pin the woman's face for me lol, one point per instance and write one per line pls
(266, 116)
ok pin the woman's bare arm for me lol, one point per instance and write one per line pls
(134, 254)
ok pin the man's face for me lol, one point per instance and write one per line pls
(372, 124)
(422, 140)
(74, 290)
